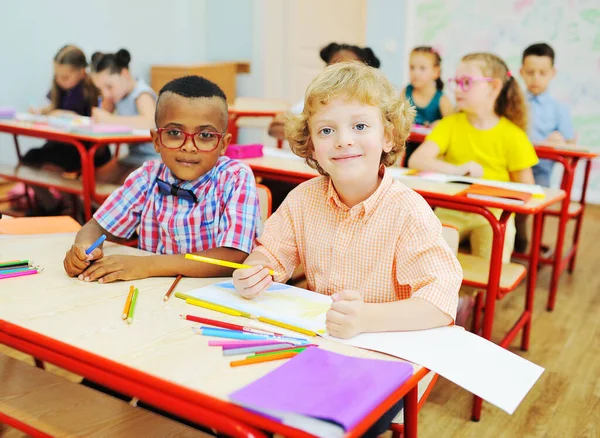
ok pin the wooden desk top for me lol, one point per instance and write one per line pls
(286, 163)
(40, 130)
(158, 342)
(564, 150)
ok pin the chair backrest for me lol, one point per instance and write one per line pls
(450, 234)
(264, 202)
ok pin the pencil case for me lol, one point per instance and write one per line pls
(239, 151)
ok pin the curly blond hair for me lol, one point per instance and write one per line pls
(353, 81)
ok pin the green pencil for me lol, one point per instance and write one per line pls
(288, 350)
(132, 306)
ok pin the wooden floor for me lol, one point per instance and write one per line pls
(565, 402)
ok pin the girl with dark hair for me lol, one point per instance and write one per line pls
(133, 103)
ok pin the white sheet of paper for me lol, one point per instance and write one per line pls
(281, 302)
(473, 363)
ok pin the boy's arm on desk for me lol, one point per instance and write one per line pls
(127, 267)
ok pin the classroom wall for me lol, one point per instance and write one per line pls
(386, 36)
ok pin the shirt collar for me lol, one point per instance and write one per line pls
(364, 209)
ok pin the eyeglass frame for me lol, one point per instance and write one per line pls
(219, 135)
(459, 81)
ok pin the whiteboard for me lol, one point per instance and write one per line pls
(506, 28)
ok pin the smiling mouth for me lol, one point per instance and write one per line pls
(344, 158)
(187, 162)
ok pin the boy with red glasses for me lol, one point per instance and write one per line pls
(193, 200)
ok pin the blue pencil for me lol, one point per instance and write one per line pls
(96, 244)
(237, 334)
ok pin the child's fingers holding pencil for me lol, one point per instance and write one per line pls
(253, 286)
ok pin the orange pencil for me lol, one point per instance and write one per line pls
(172, 288)
(258, 359)
(127, 303)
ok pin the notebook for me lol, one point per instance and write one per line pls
(535, 190)
(497, 194)
(39, 225)
(281, 302)
(331, 392)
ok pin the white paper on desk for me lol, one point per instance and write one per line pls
(473, 363)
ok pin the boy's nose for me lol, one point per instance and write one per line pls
(188, 145)
(345, 138)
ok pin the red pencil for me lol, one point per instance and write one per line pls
(227, 325)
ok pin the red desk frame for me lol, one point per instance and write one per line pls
(88, 178)
(192, 405)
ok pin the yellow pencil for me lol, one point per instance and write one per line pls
(225, 263)
(286, 326)
(214, 307)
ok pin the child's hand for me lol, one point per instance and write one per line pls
(471, 168)
(34, 110)
(100, 115)
(116, 267)
(251, 282)
(556, 137)
(346, 317)
(76, 260)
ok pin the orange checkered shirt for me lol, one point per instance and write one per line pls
(389, 247)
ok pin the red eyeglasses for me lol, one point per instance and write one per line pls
(204, 141)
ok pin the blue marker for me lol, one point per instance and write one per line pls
(96, 244)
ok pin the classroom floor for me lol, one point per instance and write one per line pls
(565, 401)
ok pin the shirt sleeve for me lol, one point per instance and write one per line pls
(278, 241)
(237, 226)
(442, 133)
(565, 123)
(425, 262)
(520, 152)
(120, 213)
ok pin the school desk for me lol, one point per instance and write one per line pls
(87, 187)
(157, 358)
(285, 166)
(568, 156)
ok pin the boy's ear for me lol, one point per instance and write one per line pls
(224, 143)
(388, 140)
(155, 140)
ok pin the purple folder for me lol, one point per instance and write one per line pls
(326, 386)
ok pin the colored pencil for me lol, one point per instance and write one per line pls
(283, 350)
(12, 270)
(96, 244)
(19, 274)
(248, 350)
(244, 343)
(214, 307)
(225, 263)
(287, 326)
(236, 334)
(14, 263)
(228, 325)
(128, 303)
(172, 288)
(274, 348)
(260, 359)
(132, 306)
